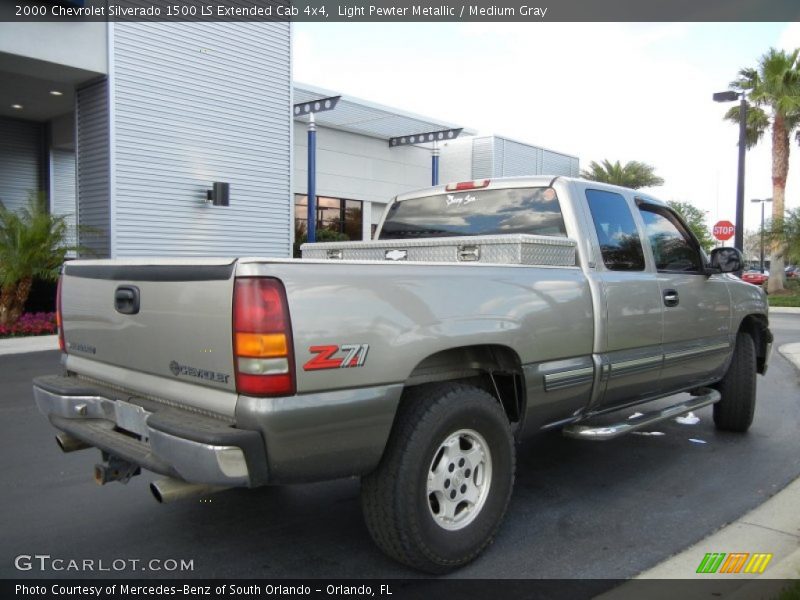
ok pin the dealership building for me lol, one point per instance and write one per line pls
(125, 127)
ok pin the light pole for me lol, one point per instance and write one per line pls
(762, 202)
(730, 96)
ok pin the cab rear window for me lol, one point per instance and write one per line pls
(533, 211)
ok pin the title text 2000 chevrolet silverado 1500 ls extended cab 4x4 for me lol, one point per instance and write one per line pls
(482, 312)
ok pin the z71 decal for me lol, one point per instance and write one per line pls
(337, 357)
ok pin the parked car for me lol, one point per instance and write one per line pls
(792, 272)
(482, 313)
(755, 277)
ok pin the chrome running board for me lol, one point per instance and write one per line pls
(584, 430)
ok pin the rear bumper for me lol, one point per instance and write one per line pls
(304, 438)
(166, 440)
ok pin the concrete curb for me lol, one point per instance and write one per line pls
(21, 345)
(792, 353)
(785, 310)
(773, 527)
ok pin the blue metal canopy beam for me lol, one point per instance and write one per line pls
(310, 108)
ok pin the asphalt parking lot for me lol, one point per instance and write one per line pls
(580, 509)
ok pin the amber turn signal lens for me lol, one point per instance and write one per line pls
(261, 345)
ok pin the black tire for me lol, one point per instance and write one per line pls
(398, 510)
(738, 388)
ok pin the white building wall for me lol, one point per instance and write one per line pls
(357, 167)
(75, 44)
(455, 163)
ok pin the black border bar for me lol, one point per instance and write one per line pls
(376, 11)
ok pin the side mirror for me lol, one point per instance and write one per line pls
(726, 260)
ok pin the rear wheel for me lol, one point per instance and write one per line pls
(442, 487)
(738, 388)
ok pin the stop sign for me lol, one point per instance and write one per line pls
(723, 230)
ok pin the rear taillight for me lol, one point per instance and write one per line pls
(59, 318)
(467, 185)
(262, 338)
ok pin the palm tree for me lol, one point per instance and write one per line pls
(696, 220)
(633, 174)
(33, 243)
(773, 91)
(786, 232)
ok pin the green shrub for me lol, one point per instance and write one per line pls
(33, 244)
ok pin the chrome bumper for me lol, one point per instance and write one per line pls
(162, 446)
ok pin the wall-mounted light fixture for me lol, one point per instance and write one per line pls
(219, 194)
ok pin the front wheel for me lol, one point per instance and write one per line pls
(734, 412)
(442, 487)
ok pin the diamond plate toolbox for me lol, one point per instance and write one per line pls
(518, 249)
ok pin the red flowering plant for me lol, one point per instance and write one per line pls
(40, 323)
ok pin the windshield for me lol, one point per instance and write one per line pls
(476, 212)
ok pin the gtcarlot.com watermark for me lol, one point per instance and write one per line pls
(47, 563)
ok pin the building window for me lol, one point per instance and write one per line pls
(334, 214)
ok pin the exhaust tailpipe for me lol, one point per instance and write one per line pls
(170, 490)
(67, 443)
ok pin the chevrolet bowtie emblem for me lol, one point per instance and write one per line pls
(396, 255)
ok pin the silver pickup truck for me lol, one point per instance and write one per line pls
(482, 312)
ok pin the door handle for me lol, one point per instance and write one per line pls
(671, 298)
(126, 300)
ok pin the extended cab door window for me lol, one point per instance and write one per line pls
(619, 240)
(673, 248)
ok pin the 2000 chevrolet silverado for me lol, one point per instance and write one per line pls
(482, 312)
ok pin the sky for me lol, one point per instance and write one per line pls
(618, 91)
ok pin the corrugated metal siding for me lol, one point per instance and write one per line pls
(496, 156)
(518, 159)
(197, 103)
(482, 157)
(557, 164)
(93, 168)
(574, 167)
(499, 146)
(20, 144)
(63, 200)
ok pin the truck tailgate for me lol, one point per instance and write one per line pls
(153, 327)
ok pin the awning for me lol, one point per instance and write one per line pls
(368, 118)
